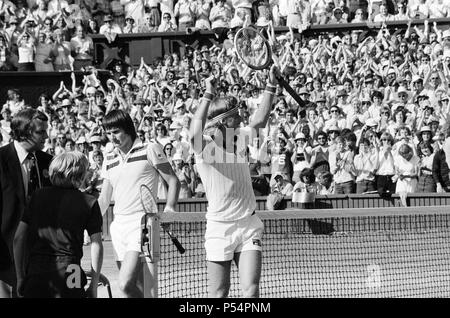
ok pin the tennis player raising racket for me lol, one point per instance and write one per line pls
(233, 231)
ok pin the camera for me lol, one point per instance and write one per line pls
(190, 30)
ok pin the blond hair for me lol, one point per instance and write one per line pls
(68, 169)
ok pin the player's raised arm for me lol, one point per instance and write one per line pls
(200, 117)
(262, 114)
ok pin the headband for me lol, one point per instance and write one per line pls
(222, 116)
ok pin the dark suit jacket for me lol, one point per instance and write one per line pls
(12, 196)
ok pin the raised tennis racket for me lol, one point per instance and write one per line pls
(150, 206)
(255, 51)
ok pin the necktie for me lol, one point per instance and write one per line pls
(34, 180)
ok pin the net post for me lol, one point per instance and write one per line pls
(151, 258)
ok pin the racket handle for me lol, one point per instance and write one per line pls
(178, 245)
(291, 91)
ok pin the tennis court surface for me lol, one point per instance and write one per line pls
(396, 252)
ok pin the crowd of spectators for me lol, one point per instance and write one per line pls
(47, 35)
(375, 118)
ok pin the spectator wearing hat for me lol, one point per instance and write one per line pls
(130, 25)
(425, 135)
(301, 156)
(342, 167)
(180, 146)
(366, 163)
(110, 29)
(338, 16)
(433, 123)
(95, 143)
(426, 182)
(81, 145)
(167, 24)
(403, 95)
(341, 97)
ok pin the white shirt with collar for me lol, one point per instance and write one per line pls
(123, 175)
(24, 164)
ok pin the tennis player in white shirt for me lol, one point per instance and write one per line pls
(124, 170)
(233, 231)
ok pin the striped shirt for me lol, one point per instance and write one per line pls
(127, 172)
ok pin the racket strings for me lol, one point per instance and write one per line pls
(253, 48)
(148, 202)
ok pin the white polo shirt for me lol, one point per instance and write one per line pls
(226, 180)
(127, 172)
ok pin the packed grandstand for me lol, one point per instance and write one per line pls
(376, 105)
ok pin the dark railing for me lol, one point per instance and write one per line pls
(341, 201)
(157, 44)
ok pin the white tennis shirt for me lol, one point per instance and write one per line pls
(226, 180)
(127, 172)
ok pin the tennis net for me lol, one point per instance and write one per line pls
(397, 252)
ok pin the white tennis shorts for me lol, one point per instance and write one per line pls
(224, 239)
(125, 233)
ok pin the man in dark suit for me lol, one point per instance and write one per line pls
(23, 169)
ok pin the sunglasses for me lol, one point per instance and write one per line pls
(333, 111)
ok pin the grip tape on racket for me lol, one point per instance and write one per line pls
(178, 245)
